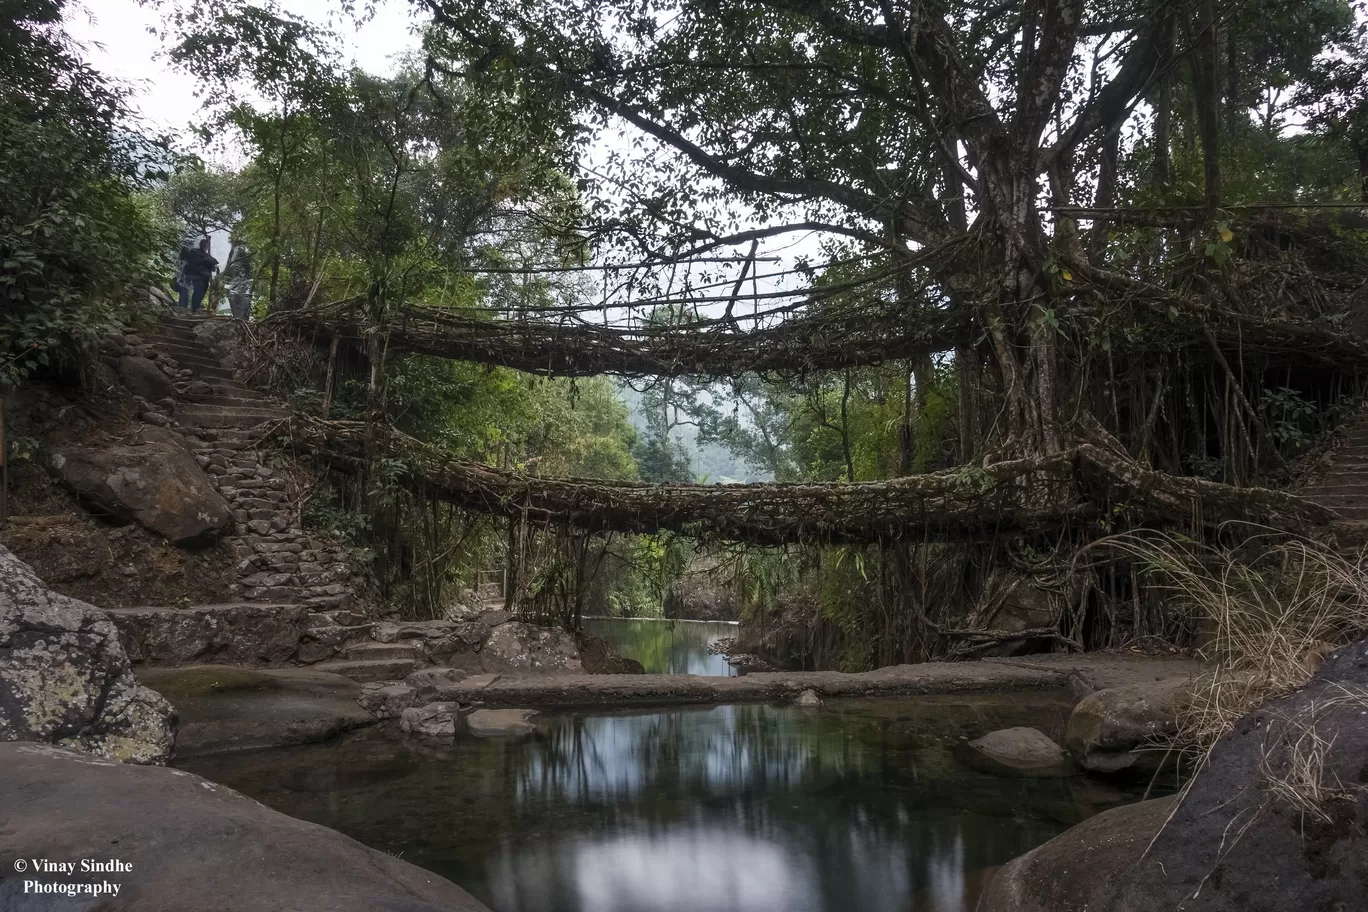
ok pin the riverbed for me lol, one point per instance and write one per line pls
(860, 805)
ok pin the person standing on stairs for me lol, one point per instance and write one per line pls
(197, 267)
(237, 275)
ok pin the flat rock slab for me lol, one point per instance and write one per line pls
(642, 690)
(194, 846)
(495, 723)
(1097, 671)
(223, 708)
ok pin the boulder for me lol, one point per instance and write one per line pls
(515, 646)
(193, 845)
(223, 708)
(385, 701)
(597, 656)
(430, 685)
(151, 481)
(435, 720)
(1108, 728)
(142, 377)
(249, 633)
(496, 723)
(65, 679)
(1278, 817)
(809, 698)
(1069, 873)
(1025, 751)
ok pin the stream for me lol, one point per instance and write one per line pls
(862, 804)
(664, 646)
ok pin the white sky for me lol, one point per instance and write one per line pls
(118, 42)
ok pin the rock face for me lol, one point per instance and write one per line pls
(155, 483)
(143, 378)
(495, 723)
(64, 678)
(1108, 726)
(194, 846)
(1022, 750)
(244, 634)
(516, 646)
(1068, 873)
(223, 708)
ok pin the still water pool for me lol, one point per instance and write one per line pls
(862, 806)
(667, 646)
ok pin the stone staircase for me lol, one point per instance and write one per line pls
(225, 422)
(1342, 484)
(297, 599)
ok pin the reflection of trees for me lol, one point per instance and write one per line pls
(864, 802)
(665, 646)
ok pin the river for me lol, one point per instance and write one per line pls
(665, 646)
(860, 805)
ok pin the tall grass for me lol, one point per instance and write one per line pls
(1266, 609)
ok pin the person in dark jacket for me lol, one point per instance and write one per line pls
(197, 267)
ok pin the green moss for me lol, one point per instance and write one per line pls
(205, 680)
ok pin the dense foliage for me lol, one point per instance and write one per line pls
(1131, 225)
(73, 233)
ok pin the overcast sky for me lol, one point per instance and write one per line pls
(118, 42)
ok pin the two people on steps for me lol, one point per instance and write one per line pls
(196, 268)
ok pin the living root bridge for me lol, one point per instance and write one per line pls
(573, 348)
(1022, 496)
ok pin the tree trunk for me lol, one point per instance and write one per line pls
(1207, 93)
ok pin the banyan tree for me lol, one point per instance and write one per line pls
(1056, 197)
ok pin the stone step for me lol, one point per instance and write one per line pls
(185, 321)
(1338, 502)
(1336, 490)
(365, 672)
(202, 368)
(381, 652)
(172, 342)
(228, 416)
(164, 332)
(220, 393)
(207, 372)
(226, 445)
(229, 401)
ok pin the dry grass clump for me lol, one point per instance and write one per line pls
(1294, 765)
(1267, 609)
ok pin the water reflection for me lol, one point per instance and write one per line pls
(667, 646)
(861, 805)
